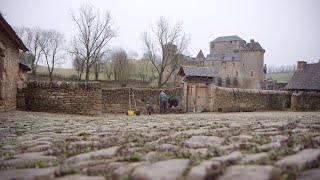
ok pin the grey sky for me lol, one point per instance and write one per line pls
(287, 29)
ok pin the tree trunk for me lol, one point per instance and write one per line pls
(87, 74)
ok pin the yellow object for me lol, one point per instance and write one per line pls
(130, 113)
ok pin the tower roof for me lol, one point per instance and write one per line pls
(253, 46)
(228, 38)
(200, 54)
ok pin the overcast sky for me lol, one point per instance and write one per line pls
(287, 29)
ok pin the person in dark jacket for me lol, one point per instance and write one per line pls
(163, 102)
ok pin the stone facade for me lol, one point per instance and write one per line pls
(9, 59)
(117, 100)
(10, 44)
(305, 101)
(237, 63)
(62, 97)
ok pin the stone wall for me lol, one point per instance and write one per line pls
(61, 97)
(9, 67)
(305, 101)
(232, 99)
(117, 100)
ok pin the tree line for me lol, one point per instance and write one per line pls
(91, 52)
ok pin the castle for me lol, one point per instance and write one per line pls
(236, 63)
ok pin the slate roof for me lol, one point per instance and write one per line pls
(252, 46)
(306, 79)
(11, 34)
(24, 67)
(196, 71)
(228, 38)
(224, 57)
(200, 54)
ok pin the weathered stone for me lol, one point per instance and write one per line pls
(312, 174)
(169, 169)
(305, 158)
(279, 138)
(200, 171)
(167, 147)
(252, 172)
(38, 148)
(28, 161)
(43, 173)
(150, 156)
(254, 157)
(202, 151)
(80, 177)
(299, 130)
(126, 169)
(270, 146)
(230, 158)
(203, 141)
(240, 138)
(83, 144)
(102, 153)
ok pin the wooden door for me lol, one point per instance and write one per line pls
(190, 98)
(202, 98)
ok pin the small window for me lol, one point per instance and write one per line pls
(230, 41)
(219, 81)
(237, 73)
(251, 73)
(212, 63)
(235, 82)
(234, 64)
(228, 82)
(243, 64)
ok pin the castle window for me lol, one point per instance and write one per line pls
(235, 82)
(251, 73)
(212, 63)
(243, 64)
(228, 82)
(230, 41)
(219, 81)
(233, 63)
(237, 73)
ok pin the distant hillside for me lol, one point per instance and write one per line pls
(280, 77)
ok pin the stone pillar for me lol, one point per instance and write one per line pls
(184, 97)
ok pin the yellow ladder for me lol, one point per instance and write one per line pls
(131, 97)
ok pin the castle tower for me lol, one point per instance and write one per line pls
(252, 68)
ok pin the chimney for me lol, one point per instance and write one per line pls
(301, 65)
(252, 40)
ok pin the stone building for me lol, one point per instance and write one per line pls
(236, 63)
(10, 44)
(195, 83)
(305, 85)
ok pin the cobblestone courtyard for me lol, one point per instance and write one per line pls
(255, 145)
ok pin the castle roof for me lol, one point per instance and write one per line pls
(11, 34)
(306, 79)
(200, 54)
(196, 71)
(227, 38)
(252, 46)
(224, 57)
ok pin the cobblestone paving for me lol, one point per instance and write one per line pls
(255, 145)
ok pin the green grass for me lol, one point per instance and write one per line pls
(280, 77)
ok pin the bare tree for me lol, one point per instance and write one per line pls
(78, 65)
(51, 46)
(94, 33)
(32, 37)
(121, 65)
(170, 44)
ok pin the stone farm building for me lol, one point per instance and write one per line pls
(10, 45)
(236, 63)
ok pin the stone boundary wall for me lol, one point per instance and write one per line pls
(116, 100)
(61, 97)
(233, 100)
(305, 101)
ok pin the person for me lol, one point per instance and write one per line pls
(163, 102)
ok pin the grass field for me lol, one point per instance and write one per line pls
(280, 77)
